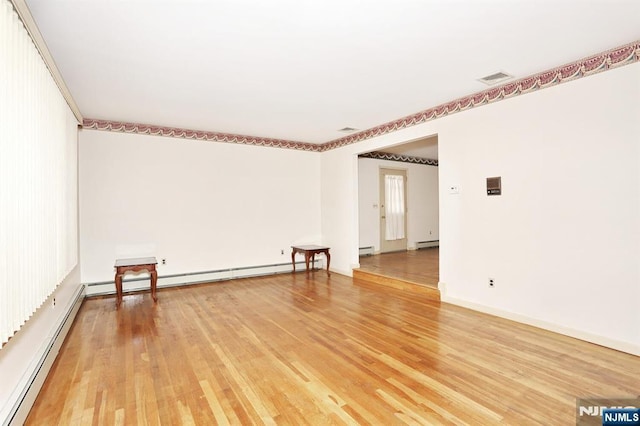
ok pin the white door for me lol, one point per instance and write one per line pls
(393, 210)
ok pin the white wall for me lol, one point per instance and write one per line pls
(339, 212)
(201, 205)
(563, 242)
(422, 201)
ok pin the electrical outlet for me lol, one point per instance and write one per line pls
(164, 261)
(491, 282)
(53, 303)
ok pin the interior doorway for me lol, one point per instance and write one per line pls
(393, 210)
(416, 256)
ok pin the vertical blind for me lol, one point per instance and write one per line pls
(38, 178)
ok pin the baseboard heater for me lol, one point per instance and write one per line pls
(427, 244)
(366, 251)
(141, 282)
(27, 395)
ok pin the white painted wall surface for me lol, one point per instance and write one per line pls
(200, 205)
(422, 201)
(563, 242)
(339, 209)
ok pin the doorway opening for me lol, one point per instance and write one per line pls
(400, 243)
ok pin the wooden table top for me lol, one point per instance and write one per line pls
(136, 261)
(310, 247)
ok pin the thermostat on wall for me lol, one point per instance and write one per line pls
(494, 185)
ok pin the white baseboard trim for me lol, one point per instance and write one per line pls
(26, 394)
(566, 331)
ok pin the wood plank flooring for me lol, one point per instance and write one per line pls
(418, 266)
(298, 349)
(396, 283)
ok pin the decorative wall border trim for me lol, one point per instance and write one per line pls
(379, 155)
(614, 58)
(175, 132)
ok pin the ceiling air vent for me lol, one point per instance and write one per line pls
(496, 78)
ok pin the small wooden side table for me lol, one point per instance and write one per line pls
(138, 264)
(310, 253)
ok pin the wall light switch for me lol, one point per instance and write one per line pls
(454, 189)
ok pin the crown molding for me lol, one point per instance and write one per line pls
(610, 59)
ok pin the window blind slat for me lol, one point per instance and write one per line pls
(38, 178)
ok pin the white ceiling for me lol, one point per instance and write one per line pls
(301, 69)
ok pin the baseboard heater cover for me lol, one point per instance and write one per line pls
(366, 251)
(141, 282)
(28, 394)
(427, 244)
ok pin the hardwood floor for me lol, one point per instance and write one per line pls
(418, 266)
(292, 349)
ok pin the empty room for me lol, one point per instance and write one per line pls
(305, 212)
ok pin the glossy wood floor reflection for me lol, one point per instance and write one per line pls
(418, 266)
(318, 350)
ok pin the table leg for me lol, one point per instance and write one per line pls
(118, 288)
(154, 282)
(328, 261)
(306, 260)
(313, 260)
(293, 259)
